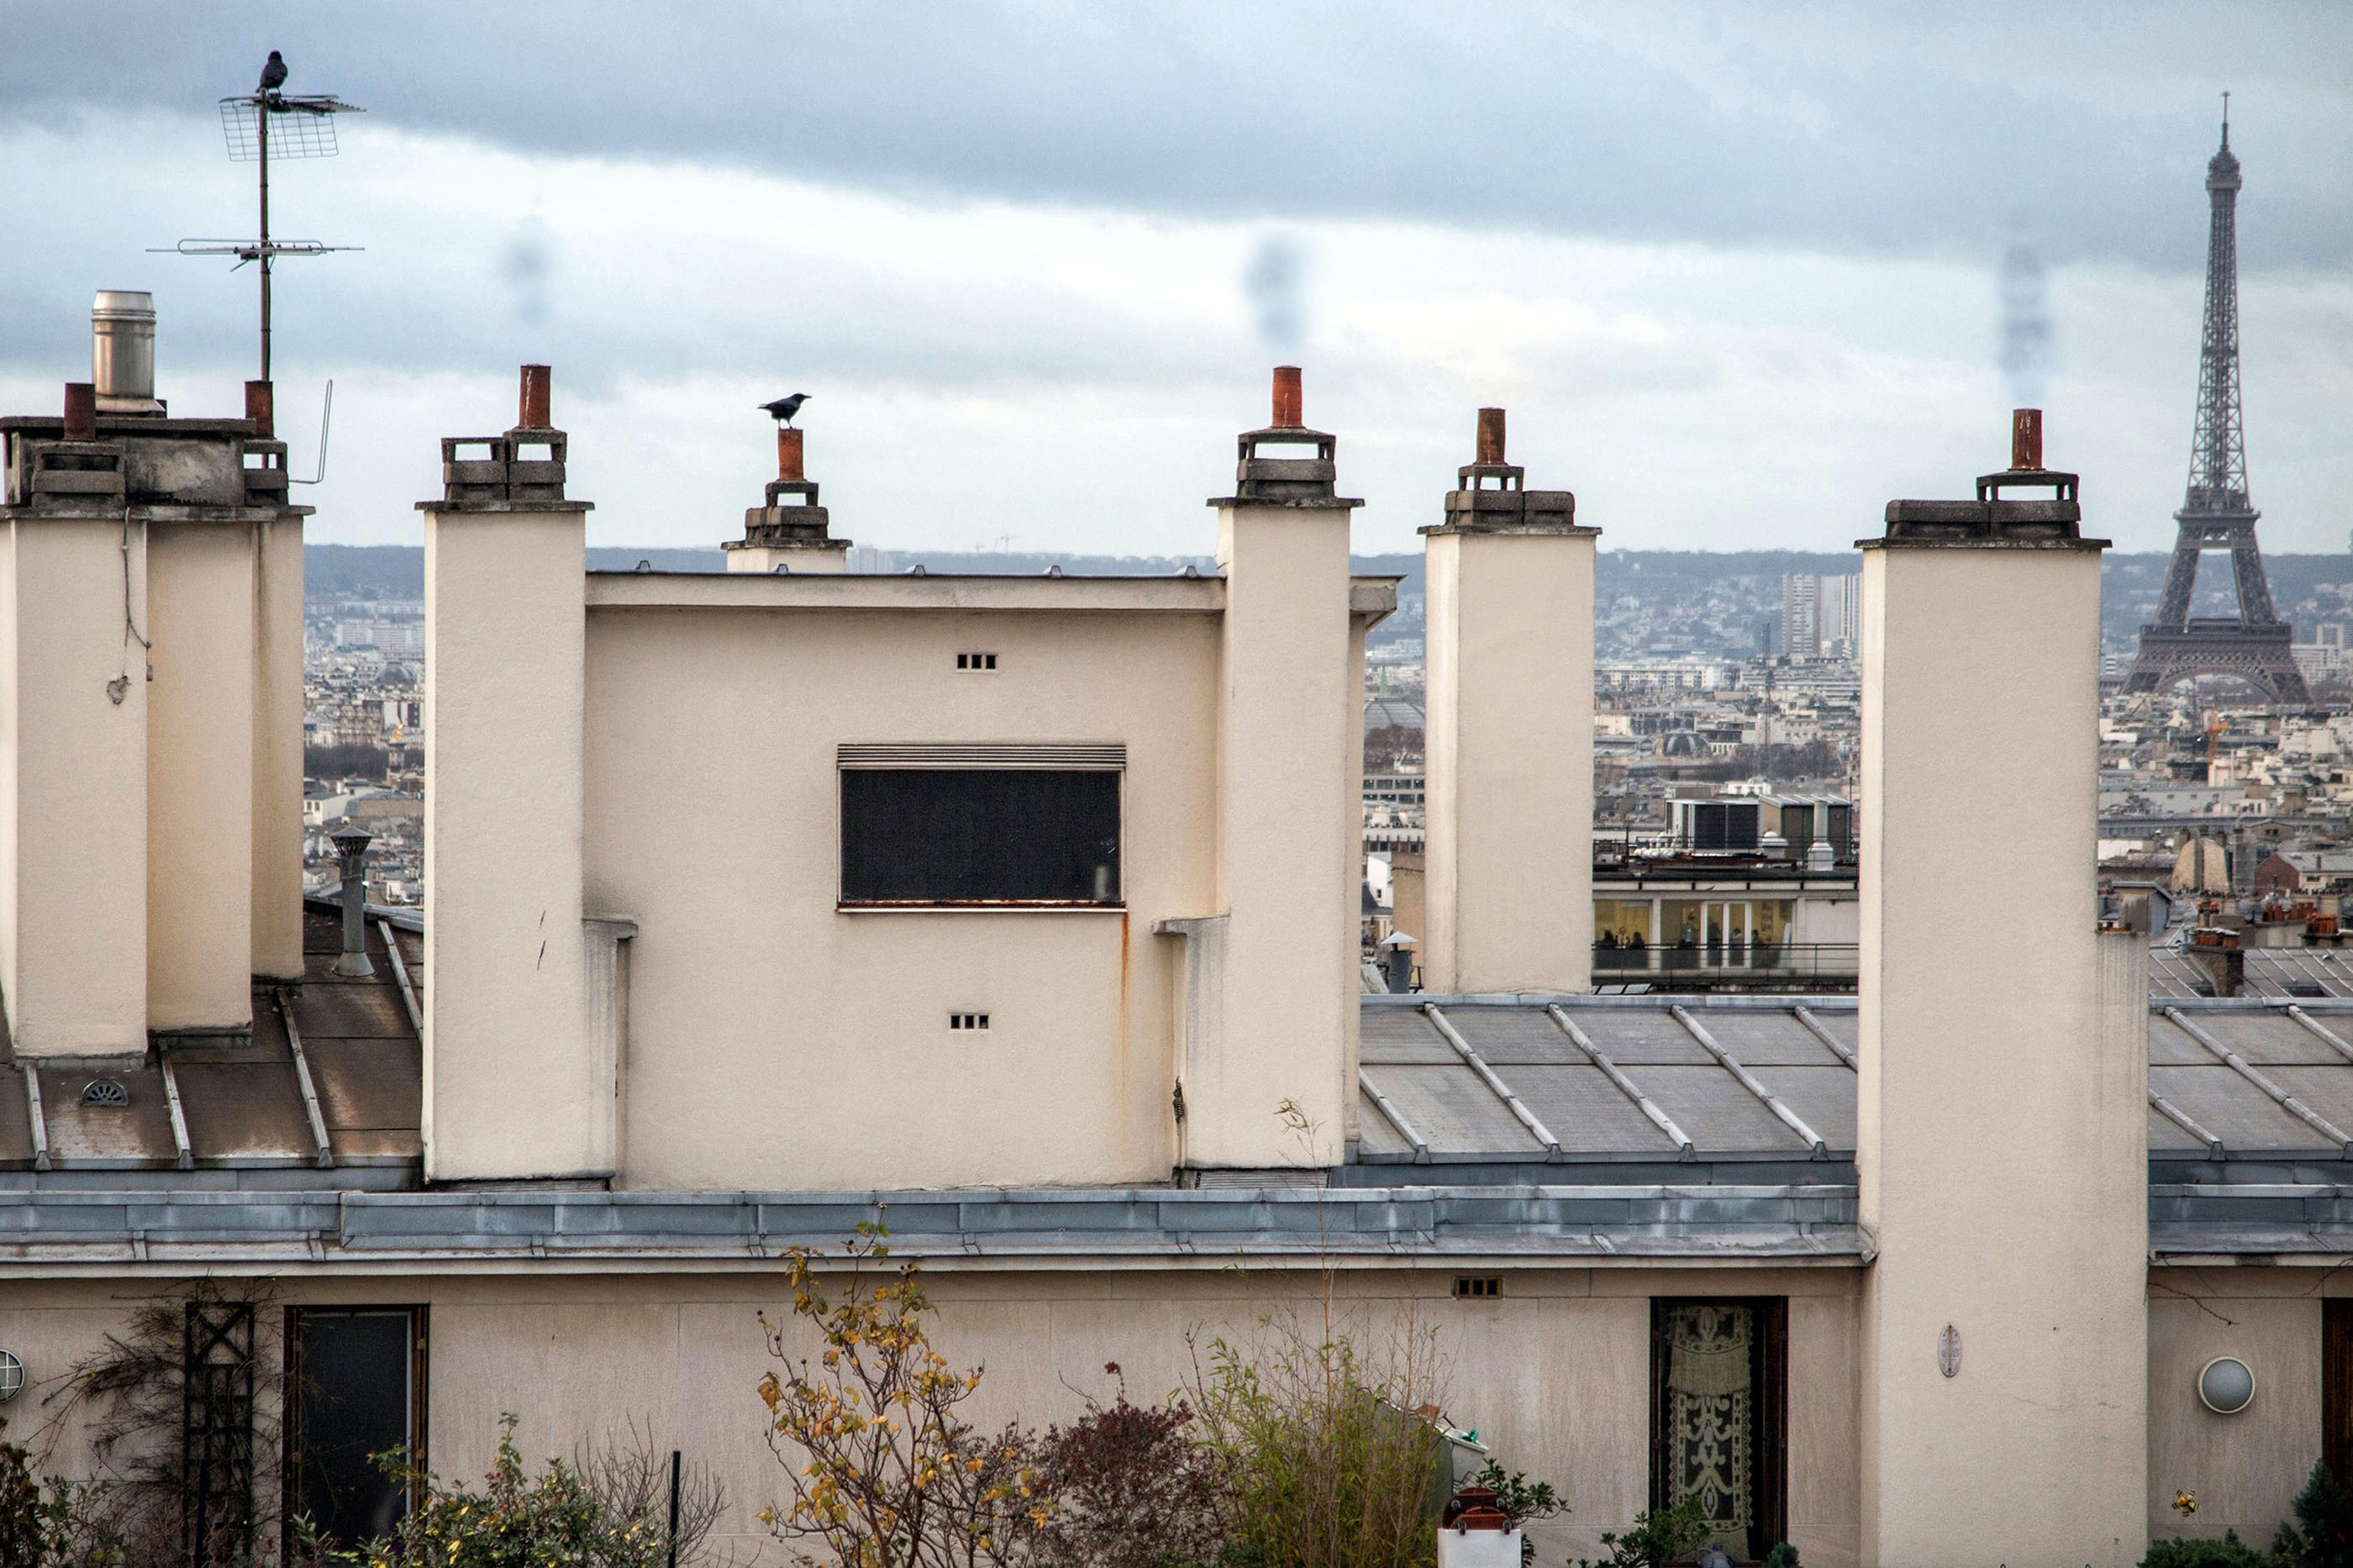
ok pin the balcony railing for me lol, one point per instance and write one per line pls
(1755, 964)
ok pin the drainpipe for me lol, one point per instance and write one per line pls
(351, 850)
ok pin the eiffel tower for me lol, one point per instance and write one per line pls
(2216, 515)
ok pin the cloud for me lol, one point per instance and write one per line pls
(1894, 129)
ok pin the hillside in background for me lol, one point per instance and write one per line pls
(1650, 603)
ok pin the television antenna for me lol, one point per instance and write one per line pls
(258, 125)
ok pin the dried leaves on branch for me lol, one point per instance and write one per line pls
(884, 1472)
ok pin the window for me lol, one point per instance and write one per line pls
(2336, 1386)
(355, 1389)
(1719, 1397)
(979, 835)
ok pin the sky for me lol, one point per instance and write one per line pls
(1734, 270)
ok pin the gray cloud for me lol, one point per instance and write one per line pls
(1905, 129)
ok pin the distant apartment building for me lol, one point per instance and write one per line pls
(1820, 617)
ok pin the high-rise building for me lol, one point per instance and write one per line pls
(1819, 614)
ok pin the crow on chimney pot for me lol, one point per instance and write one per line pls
(784, 408)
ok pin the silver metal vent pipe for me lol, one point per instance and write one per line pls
(122, 352)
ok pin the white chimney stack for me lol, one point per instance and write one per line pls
(1509, 734)
(2001, 1119)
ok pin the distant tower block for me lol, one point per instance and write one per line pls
(2216, 515)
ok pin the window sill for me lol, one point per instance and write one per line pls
(997, 906)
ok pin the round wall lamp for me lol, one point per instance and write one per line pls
(2225, 1386)
(12, 1376)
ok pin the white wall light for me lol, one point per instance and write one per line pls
(2225, 1386)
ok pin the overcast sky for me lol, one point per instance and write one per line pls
(1733, 270)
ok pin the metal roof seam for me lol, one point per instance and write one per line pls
(400, 972)
(1626, 1086)
(2329, 1036)
(37, 1116)
(2245, 1069)
(1395, 1118)
(185, 1156)
(1527, 1118)
(302, 1080)
(1748, 1082)
(2181, 1119)
(1805, 1016)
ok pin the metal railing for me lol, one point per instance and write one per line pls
(1730, 962)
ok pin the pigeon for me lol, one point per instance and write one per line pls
(273, 75)
(784, 408)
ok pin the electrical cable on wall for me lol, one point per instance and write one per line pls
(120, 687)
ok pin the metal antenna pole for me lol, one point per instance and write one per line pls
(306, 129)
(261, 117)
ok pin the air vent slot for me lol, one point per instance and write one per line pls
(1478, 1286)
(105, 1091)
(975, 661)
(968, 1022)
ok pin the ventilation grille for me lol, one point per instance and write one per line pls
(968, 1022)
(975, 661)
(1478, 1285)
(1089, 755)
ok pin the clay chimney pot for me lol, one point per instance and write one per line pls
(1287, 402)
(81, 411)
(1490, 438)
(535, 393)
(2026, 438)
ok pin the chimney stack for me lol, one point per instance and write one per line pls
(1287, 402)
(81, 411)
(791, 533)
(1509, 733)
(534, 414)
(1489, 448)
(2026, 440)
(122, 352)
(1280, 964)
(2014, 1040)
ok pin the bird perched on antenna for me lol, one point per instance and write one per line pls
(273, 74)
(784, 408)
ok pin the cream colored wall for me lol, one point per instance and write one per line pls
(73, 922)
(823, 559)
(1554, 1375)
(200, 776)
(509, 1084)
(2245, 1469)
(278, 750)
(1509, 885)
(818, 1039)
(1984, 1048)
(1288, 722)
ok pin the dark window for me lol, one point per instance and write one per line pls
(1717, 826)
(1719, 1401)
(2336, 1386)
(356, 1380)
(979, 835)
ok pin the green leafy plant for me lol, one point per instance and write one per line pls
(884, 1472)
(2204, 1551)
(1326, 1463)
(1656, 1538)
(2322, 1533)
(1783, 1555)
(604, 1510)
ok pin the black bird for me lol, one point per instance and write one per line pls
(273, 75)
(784, 408)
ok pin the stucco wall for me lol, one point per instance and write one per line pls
(1554, 1375)
(2245, 1469)
(818, 1039)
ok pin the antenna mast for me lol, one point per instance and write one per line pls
(305, 128)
